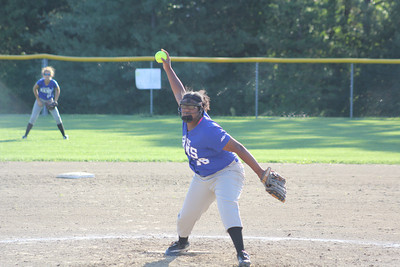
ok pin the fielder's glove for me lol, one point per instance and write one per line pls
(274, 184)
(52, 105)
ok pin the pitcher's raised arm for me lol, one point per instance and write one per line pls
(176, 85)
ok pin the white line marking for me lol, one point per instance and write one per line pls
(190, 252)
(387, 244)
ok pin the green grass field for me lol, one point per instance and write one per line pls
(158, 138)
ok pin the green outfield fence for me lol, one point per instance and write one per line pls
(255, 60)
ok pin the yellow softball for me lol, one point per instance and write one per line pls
(159, 55)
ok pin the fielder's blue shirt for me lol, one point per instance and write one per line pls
(46, 92)
(204, 147)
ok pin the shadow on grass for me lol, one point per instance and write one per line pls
(370, 135)
(377, 134)
(9, 140)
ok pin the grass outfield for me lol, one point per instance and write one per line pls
(158, 138)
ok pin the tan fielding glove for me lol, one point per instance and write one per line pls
(274, 184)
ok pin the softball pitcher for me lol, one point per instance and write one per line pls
(47, 92)
(218, 172)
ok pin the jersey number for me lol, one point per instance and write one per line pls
(202, 161)
(192, 152)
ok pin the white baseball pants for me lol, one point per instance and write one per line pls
(225, 186)
(36, 111)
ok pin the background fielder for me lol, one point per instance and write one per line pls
(47, 92)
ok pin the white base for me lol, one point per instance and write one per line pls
(75, 175)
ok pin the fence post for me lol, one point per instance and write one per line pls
(151, 94)
(351, 89)
(44, 110)
(256, 104)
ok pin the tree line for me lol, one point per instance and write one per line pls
(271, 28)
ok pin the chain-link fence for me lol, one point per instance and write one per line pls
(237, 87)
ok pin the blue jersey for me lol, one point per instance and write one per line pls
(204, 147)
(46, 92)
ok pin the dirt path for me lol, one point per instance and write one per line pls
(335, 215)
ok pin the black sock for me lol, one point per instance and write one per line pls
(61, 127)
(183, 240)
(28, 128)
(237, 238)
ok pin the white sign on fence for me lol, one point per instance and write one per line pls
(148, 78)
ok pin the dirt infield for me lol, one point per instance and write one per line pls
(335, 215)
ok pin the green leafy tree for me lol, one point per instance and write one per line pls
(274, 28)
(19, 18)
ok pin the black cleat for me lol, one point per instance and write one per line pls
(176, 248)
(243, 258)
(24, 137)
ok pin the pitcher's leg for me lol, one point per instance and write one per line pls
(227, 192)
(198, 198)
(237, 238)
